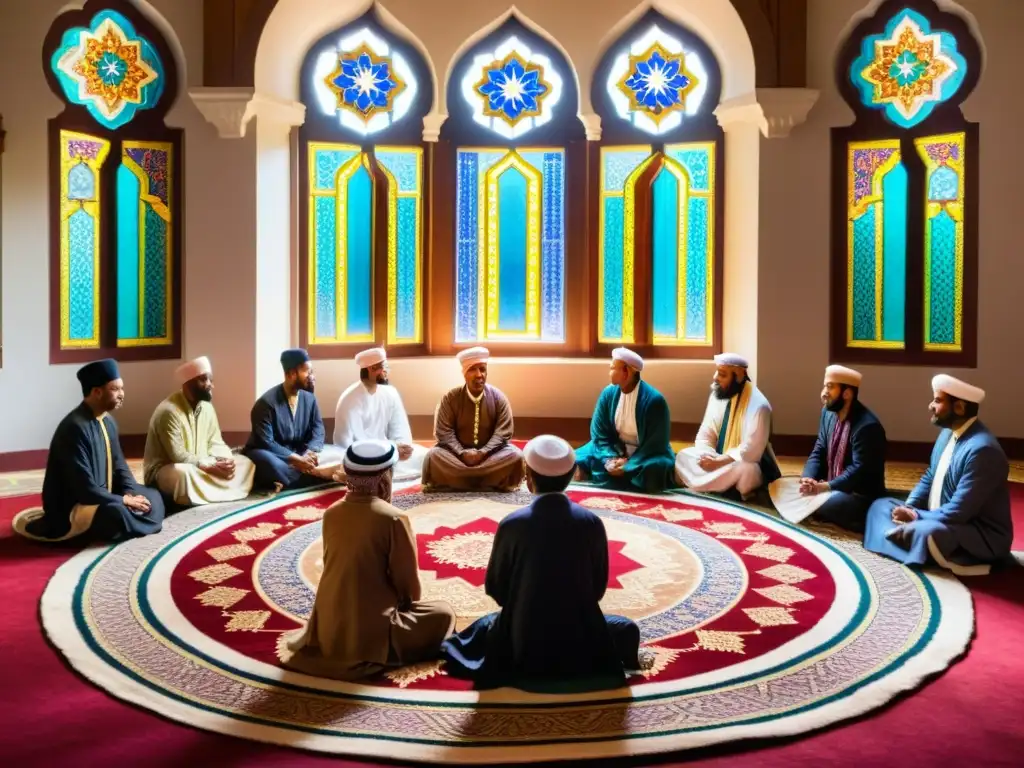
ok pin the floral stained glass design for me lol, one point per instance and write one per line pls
(365, 83)
(513, 89)
(657, 82)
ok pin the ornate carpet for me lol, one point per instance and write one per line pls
(751, 628)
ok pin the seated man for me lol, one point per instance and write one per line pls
(846, 470)
(367, 614)
(88, 485)
(548, 571)
(287, 431)
(473, 426)
(958, 515)
(186, 457)
(732, 451)
(371, 409)
(629, 444)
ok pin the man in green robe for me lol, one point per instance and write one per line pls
(629, 444)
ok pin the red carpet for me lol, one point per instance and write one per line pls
(970, 714)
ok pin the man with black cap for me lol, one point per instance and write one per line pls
(88, 485)
(287, 430)
(548, 571)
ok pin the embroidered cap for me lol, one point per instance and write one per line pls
(731, 359)
(368, 456)
(549, 456)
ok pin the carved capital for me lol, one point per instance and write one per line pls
(432, 126)
(592, 125)
(226, 109)
(741, 110)
(784, 109)
(278, 112)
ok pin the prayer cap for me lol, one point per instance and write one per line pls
(961, 390)
(839, 374)
(97, 374)
(731, 358)
(368, 456)
(549, 456)
(369, 357)
(193, 369)
(629, 357)
(470, 357)
(293, 358)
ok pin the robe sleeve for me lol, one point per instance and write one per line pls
(444, 425)
(316, 432)
(599, 552)
(121, 478)
(654, 427)
(402, 568)
(218, 448)
(985, 473)
(604, 438)
(77, 460)
(756, 440)
(262, 420)
(499, 567)
(170, 430)
(918, 498)
(816, 467)
(707, 435)
(503, 426)
(399, 430)
(348, 422)
(867, 444)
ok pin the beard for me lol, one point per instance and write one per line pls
(309, 385)
(943, 422)
(727, 393)
(383, 380)
(835, 406)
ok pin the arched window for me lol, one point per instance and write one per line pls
(904, 191)
(115, 188)
(362, 180)
(658, 198)
(512, 148)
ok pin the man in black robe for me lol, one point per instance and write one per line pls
(548, 571)
(88, 485)
(287, 430)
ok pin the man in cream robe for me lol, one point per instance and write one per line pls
(372, 409)
(368, 614)
(186, 456)
(732, 450)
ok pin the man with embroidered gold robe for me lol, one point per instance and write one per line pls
(846, 469)
(368, 614)
(186, 457)
(88, 485)
(473, 427)
(629, 444)
(732, 452)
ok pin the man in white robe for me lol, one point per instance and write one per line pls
(732, 452)
(372, 409)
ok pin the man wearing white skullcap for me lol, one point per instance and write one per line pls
(186, 456)
(846, 469)
(958, 515)
(368, 613)
(473, 428)
(548, 572)
(629, 432)
(732, 452)
(372, 409)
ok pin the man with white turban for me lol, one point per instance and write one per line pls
(186, 456)
(846, 469)
(548, 571)
(958, 515)
(473, 428)
(732, 451)
(629, 432)
(372, 409)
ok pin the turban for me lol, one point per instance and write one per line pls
(193, 369)
(838, 374)
(293, 358)
(629, 357)
(369, 357)
(549, 456)
(370, 456)
(961, 390)
(731, 359)
(97, 374)
(470, 357)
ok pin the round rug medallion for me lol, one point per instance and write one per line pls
(751, 627)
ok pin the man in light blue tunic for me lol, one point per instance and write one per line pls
(958, 515)
(629, 444)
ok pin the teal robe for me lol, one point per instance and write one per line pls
(651, 468)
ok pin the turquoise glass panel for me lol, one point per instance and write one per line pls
(665, 254)
(403, 166)
(512, 251)
(944, 184)
(614, 224)
(697, 163)
(894, 243)
(81, 183)
(864, 276)
(155, 308)
(82, 280)
(406, 271)
(697, 243)
(618, 164)
(328, 163)
(942, 298)
(128, 248)
(325, 265)
(359, 254)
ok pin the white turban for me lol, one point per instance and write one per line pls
(838, 374)
(192, 369)
(549, 456)
(368, 456)
(961, 390)
(369, 357)
(470, 357)
(732, 359)
(629, 357)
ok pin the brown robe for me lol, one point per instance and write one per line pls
(367, 614)
(453, 430)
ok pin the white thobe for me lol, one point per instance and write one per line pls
(744, 472)
(625, 421)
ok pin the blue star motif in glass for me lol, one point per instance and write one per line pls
(907, 69)
(513, 90)
(657, 82)
(364, 83)
(111, 69)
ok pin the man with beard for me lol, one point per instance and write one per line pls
(186, 457)
(287, 430)
(629, 432)
(371, 409)
(473, 427)
(88, 485)
(732, 452)
(846, 470)
(958, 515)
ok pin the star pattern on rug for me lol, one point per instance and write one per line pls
(726, 642)
(787, 574)
(258, 532)
(784, 594)
(221, 597)
(215, 574)
(769, 552)
(771, 617)
(246, 621)
(230, 552)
